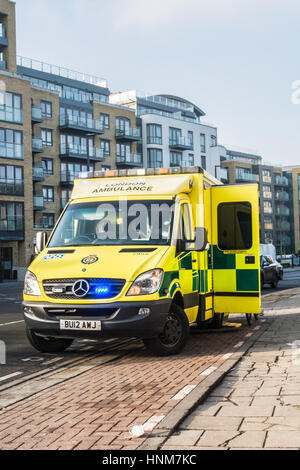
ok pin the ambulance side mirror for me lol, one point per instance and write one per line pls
(201, 239)
(41, 241)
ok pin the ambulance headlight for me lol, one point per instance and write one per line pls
(31, 285)
(147, 283)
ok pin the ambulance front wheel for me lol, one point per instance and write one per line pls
(48, 345)
(174, 336)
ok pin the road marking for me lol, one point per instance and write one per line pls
(184, 392)
(249, 334)
(210, 370)
(11, 323)
(239, 345)
(56, 359)
(10, 376)
(257, 327)
(226, 356)
(32, 359)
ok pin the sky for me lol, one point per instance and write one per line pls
(238, 60)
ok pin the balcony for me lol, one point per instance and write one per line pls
(68, 177)
(14, 151)
(38, 203)
(3, 37)
(76, 151)
(37, 174)
(36, 114)
(37, 145)
(132, 160)
(247, 177)
(283, 211)
(12, 228)
(283, 226)
(9, 114)
(131, 134)
(180, 144)
(43, 227)
(282, 196)
(281, 181)
(11, 187)
(3, 64)
(81, 125)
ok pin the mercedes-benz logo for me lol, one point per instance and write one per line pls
(81, 288)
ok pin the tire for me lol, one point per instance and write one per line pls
(274, 284)
(217, 321)
(174, 337)
(249, 318)
(48, 345)
(256, 317)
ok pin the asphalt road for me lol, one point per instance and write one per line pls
(23, 360)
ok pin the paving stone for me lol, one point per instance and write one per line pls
(184, 438)
(249, 439)
(216, 438)
(212, 423)
(245, 411)
(283, 440)
(268, 391)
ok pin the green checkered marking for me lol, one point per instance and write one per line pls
(169, 276)
(220, 259)
(186, 262)
(203, 280)
(247, 280)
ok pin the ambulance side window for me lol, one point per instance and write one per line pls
(235, 226)
(184, 223)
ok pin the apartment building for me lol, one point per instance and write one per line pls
(293, 176)
(173, 133)
(54, 124)
(275, 191)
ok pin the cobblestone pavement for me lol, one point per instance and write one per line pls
(98, 408)
(257, 405)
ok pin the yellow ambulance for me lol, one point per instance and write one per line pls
(145, 253)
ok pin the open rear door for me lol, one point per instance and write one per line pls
(235, 256)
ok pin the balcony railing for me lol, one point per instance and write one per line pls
(129, 160)
(61, 71)
(246, 177)
(36, 114)
(281, 181)
(284, 226)
(130, 133)
(11, 187)
(68, 177)
(86, 125)
(282, 196)
(284, 211)
(38, 174)
(77, 151)
(12, 228)
(15, 151)
(37, 144)
(38, 203)
(9, 114)
(180, 143)
(2, 64)
(2, 31)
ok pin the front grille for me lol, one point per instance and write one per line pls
(62, 289)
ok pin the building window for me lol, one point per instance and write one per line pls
(123, 150)
(11, 217)
(266, 174)
(47, 164)
(175, 159)
(122, 124)
(11, 144)
(48, 193)
(47, 137)
(203, 161)
(235, 226)
(267, 193)
(268, 223)
(105, 168)
(11, 107)
(203, 142)
(104, 119)
(105, 146)
(154, 134)
(268, 207)
(213, 141)
(155, 158)
(77, 145)
(70, 171)
(47, 221)
(191, 138)
(46, 109)
(11, 180)
(189, 160)
(175, 135)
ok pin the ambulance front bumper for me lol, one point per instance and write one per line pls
(118, 320)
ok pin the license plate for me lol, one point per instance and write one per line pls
(85, 325)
